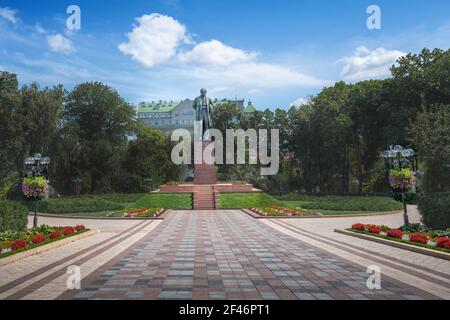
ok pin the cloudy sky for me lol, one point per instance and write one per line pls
(274, 53)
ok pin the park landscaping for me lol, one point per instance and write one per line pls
(14, 241)
(413, 234)
(308, 205)
(113, 205)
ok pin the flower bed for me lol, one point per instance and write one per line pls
(12, 242)
(280, 211)
(413, 234)
(140, 213)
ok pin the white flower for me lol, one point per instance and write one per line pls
(431, 243)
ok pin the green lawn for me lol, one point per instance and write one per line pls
(247, 200)
(166, 201)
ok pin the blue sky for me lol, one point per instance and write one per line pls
(272, 52)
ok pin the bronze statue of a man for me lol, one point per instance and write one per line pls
(203, 107)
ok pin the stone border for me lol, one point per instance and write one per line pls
(257, 216)
(45, 247)
(63, 216)
(409, 247)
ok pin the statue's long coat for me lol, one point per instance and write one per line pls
(197, 105)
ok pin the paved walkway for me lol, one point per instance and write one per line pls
(224, 255)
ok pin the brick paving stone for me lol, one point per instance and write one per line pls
(230, 255)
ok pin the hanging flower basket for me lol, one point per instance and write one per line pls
(35, 188)
(402, 179)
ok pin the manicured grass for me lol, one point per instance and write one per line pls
(326, 204)
(247, 200)
(166, 201)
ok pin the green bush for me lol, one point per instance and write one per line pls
(115, 197)
(13, 216)
(76, 205)
(348, 203)
(435, 210)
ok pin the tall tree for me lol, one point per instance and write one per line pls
(103, 121)
(11, 139)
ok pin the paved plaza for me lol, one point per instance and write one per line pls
(226, 255)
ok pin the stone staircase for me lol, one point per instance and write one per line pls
(205, 197)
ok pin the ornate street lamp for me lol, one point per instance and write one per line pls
(396, 157)
(36, 166)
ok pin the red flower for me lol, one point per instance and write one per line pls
(418, 237)
(68, 230)
(358, 226)
(375, 229)
(79, 228)
(18, 244)
(395, 233)
(38, 239)
(443, 242)
(55, 235)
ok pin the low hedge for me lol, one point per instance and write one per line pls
(77, 205)
(435, 210)
(117, 197)
(350, 203)
(13, 216)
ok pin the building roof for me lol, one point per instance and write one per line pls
(250, 108)
(161, 106)
(168, 106)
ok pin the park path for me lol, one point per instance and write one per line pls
(224, 255)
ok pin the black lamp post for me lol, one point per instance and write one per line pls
(36, 166)
(397, 157)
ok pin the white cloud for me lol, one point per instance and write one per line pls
(59, 43)
(9, 15)
(366, 64)
(300, 102)
(255, 92)
(215, 52)
(154, 40)
(39, 29)
(264, 75)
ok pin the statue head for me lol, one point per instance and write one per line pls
(203, 92)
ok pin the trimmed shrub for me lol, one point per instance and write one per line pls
(76, 205)
(349, 203)
(435, 210)
(13, 216)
